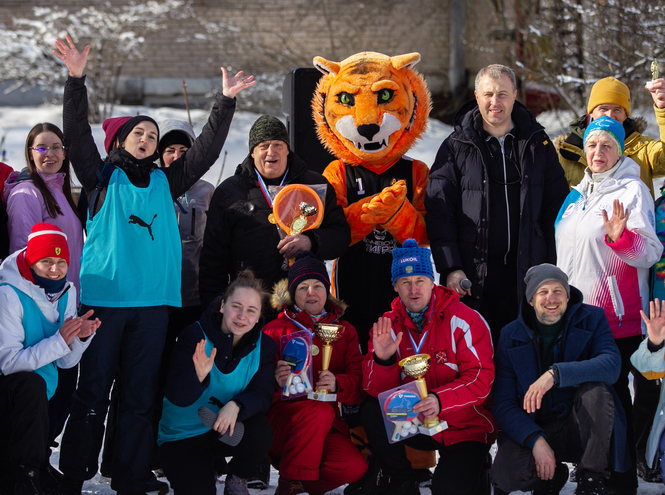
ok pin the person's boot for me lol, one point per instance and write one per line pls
(408, 486)
(286, 486)
(27, 481)
(70, 486)
(262, 478)
(373, 482)
(554, 486)
(235, 485)
(589, 483)
(155, 485)
(49, 478)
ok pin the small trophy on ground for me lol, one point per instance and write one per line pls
(327, 332)
(416, 367)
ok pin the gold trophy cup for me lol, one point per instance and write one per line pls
(327, 332)
(416, 367)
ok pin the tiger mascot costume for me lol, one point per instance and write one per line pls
(369, 110)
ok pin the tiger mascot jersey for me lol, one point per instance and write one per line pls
(369, 110)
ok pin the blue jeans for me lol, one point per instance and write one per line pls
(130, 340)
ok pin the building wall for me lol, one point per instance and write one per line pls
(274, 36)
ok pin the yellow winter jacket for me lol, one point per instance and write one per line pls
(644, 150)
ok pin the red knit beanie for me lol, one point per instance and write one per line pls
(46, 241)
(111, 128)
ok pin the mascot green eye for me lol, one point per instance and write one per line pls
(346, 99)
(385, 95)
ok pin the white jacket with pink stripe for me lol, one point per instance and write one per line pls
(611, 275)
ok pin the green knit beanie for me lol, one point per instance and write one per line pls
(267, 128)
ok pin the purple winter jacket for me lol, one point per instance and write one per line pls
(26, 207)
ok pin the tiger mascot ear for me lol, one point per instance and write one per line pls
(369, 109)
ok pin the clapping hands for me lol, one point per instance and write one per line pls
(81, 327)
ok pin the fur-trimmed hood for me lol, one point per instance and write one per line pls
(282, 297)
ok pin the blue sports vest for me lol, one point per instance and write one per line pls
(132, 256)
(38, 328)
(179, 423)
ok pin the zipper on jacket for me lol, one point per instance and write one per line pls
(193, 224)
(617, 302)
(505, 190)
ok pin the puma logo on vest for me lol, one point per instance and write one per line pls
(138, 221)
(215, 402)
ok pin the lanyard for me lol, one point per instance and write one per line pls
(264, 188)
(416, 348)
(298, 324)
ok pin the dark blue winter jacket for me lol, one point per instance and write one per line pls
(585, 352)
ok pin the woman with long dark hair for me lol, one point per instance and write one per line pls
(42, 192)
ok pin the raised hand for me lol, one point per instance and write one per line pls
(384, 345)
(656, 322)
(68, 53)
(657, 90)
(231, 86)
(203, 363)
(615, 226)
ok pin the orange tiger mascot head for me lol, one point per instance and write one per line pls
(370, 108)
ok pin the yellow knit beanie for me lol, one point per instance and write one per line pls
(609, 91)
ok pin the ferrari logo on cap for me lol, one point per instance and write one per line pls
(58, 251)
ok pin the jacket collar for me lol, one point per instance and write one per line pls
(525, 331)
(468, 121)
(442, 297)
(211, 321)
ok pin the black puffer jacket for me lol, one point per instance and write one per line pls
(238, 234)
(458, 196)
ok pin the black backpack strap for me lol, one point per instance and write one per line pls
(104, 175)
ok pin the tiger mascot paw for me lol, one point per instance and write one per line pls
(385, 205)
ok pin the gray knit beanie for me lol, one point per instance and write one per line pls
(538, 275)
(267, 128)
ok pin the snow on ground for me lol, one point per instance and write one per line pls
(15, 123)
